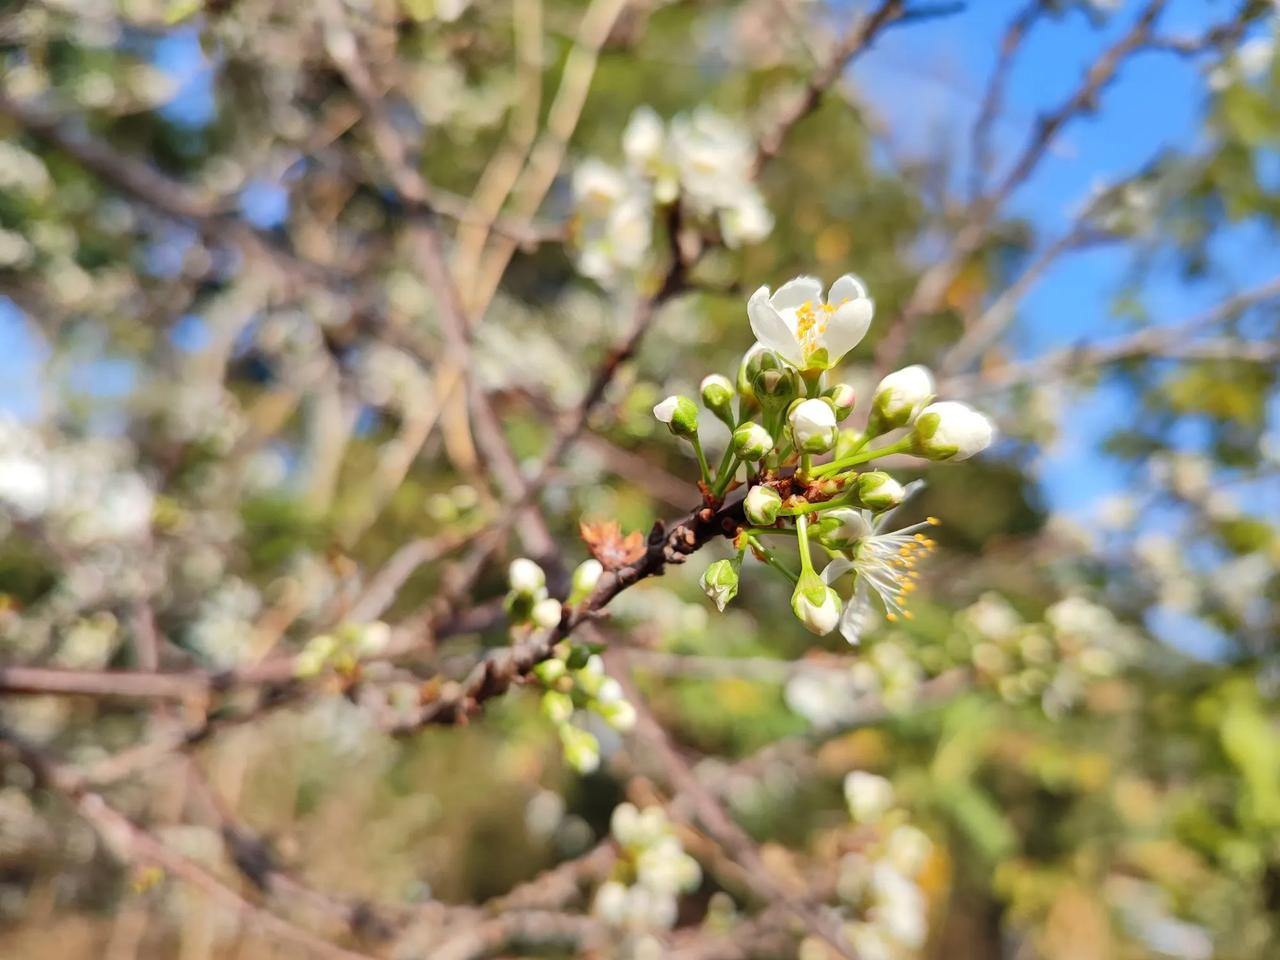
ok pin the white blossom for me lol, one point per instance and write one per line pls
(805, 330)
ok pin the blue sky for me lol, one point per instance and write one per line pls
(927, 82)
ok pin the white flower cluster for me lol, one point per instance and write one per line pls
(830, 698)
(882, 880)
(1078, 643)
(652, 872)
(74, 488)
(702, 160)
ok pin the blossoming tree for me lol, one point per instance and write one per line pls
(521, 478)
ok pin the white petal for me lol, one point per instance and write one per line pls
(847, 287)
(795, 292)
(836, 569)
(770, 329)
(856, 614)
(666, 410)
(846, 328)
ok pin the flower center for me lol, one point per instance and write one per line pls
(811, 323)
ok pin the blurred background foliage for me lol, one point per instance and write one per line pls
(192, 431)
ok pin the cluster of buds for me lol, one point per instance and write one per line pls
(342, 650)
(651, 873)
(881, 880)
(576, 686)
(784, 419)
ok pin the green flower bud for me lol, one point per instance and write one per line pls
(748, 368)
(752, 442)
(557, 706)
(585, 578)
(720, 582)
(842, 400)
(525, 576)
(619, 714)
(717, 396)
(550, 671)
(879, 491)
(815, 604)
(951, 431)
(775, 384)
(679, 414)
(581, 748)
(546, 613)
(761, 506)
(813, 426)
(899, 397)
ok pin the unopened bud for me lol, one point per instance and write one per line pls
(717, 396)
(879, 491)
(720, 582)
(525, 576)
(752, 442)
(899, 397)
(679, 414)
(775, 383)
(585, 578)
(761, 506)
(557, 706)
(951, 431)
(815, 604)
(813, 426)
(842, 400)
(546, 613)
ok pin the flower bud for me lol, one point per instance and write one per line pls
(951, 431)
(868, 796)
(899, 397)
(751, 441)
(748, 368)
(619, 714)
(815, 604)
(679, 414)
(525, 576)
(774, 383)
(557, 706)
(581, 748)
(546, 613)
(550, 671)
(842, 400)
(761, 506)
(842, 528)
(813, 425)
(585, 578)
(879, 491)
(720, 582)
(717, 396)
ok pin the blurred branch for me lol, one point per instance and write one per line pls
(133, 842)
(1171, 341)
(993, 100)
(857, 40)
(707, 809)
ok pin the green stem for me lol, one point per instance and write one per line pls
(771, 531)
(806, 464)
(835, 466)
(725, 475)
(772, 560)
(702, 460)
(802, 532)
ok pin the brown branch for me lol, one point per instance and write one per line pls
(133, 842)
(993, 100)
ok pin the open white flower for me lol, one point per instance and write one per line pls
(883, 562)
(644, 144)
(808, 332)
(614, 226)
(714, 157)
